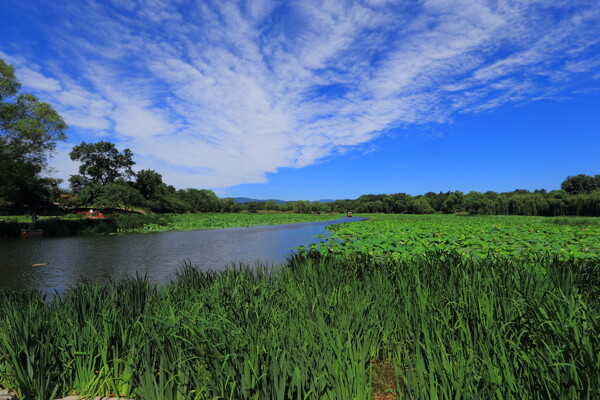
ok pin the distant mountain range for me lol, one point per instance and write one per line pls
(249, 200)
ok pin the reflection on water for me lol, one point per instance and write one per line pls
(157, 255)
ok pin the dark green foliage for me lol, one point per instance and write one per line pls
(101, 163)
(518, 202)
(443, 326)
(150, 184)
(104, 177)
(581, 184)
(199, 200)
(120, 223)
(29, 130)
(420, 205)
(478, 203)
(9, 228)
(125, 222)
(117, 223)
(120, 195)
(454, 202)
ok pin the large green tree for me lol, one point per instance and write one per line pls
(581, 184)
(203, 200)
(150, 184)
(105, 175)
(454, 203)
(29, 130)
(101, 163)
(478, 203)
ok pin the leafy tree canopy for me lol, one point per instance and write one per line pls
(581, 183)
(101, 163)
(29, 130)
(119, 194)
(202, 200)
(150, 184)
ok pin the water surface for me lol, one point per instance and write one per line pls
(157, 255)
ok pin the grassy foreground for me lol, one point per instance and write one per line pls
(439, 325)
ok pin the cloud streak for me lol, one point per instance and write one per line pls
(219, 94)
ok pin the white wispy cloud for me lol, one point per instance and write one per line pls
(221, 93)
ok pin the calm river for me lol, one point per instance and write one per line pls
(52, 264)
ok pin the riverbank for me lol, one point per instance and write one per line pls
(54, 264)
(73, 225)
(321, 327)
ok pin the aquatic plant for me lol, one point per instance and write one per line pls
(401, 236)
(438, 325)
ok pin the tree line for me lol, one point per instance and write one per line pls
(30, 129)
(518, 202)
(579, 196)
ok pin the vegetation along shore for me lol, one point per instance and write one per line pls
(69, 225)
(511, 313)
(439, 325)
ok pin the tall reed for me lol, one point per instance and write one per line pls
(438, 326)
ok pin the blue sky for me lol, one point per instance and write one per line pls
(321, 99)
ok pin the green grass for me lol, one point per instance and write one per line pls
(423, 307)
(237, 220)
(27, 218)
(400, 236)
(436, 326)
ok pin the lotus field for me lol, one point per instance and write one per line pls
(399, 236)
